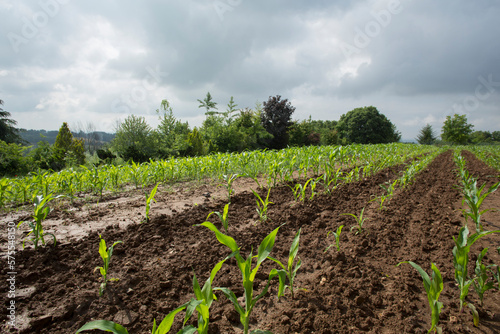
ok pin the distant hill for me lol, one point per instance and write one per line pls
(34, 136)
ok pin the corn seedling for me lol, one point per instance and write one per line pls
(289, 271)
(229, 179)
(461, 259)
(360, 220)
(433, 287)
(482, 282)
(262, 205)
(296, 191)
(248, 274)
(106, 254)
(329, 178)
(474, 199)
(4, 190)
(202, 302)
(313, 188)
(149, 199)
(222, 216)
(40, 213)
(337, 238)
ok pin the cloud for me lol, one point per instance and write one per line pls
(106, 60)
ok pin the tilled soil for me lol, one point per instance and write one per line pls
(358, 289)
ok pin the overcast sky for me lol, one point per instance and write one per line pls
(416, 61)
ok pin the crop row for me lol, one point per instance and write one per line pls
(275, 166)
(489, 154)
(485, 277)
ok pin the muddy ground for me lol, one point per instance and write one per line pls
(358, 289)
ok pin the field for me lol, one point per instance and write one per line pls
(357, 288)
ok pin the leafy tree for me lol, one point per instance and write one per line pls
(77, 152)
(134, 140)
(495, 136)
(12, 160)
(196, 145)
(426, 135)
(366, 125)
(253, 135)
(42, 157)
(8, 132)
(208, 104)
(456, 130)
(277, 119)
(481, 137)
(171, 134)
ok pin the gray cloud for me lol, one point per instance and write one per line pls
(105, 60)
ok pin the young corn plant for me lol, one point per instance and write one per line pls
(262, 205)
(482, 283)
(150, 198)
(474, 198)
(229, 179)
(222, 216)
(461, 259)
(433, 287)
(41, 211)
(4, 190)
(329, 180)
(201, 304)
(106, 254)
(248, 274)
(289, 271)
(360, 220)
(337, 238)
(313, 188)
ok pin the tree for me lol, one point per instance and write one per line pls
(8, 133)
(277, 119)
(133, 139)
(67, 150)
(171, 134)
(495, 136)
(208, 104)
(366, 125)
(196, 144)
(426, 135)
(231, 109)
(481, 137)
(12, 160)
(63, 143)
(456, 130)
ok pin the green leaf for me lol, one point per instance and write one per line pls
(167, 322)
(102, 249)
(103, 325)
(223, 239)
(232, 297)
(475, 314)
(294, 248)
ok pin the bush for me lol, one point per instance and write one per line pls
(12, 161)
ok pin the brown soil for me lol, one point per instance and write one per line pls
(356, 290)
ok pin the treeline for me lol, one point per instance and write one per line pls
(229, 129)
(457, 130)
